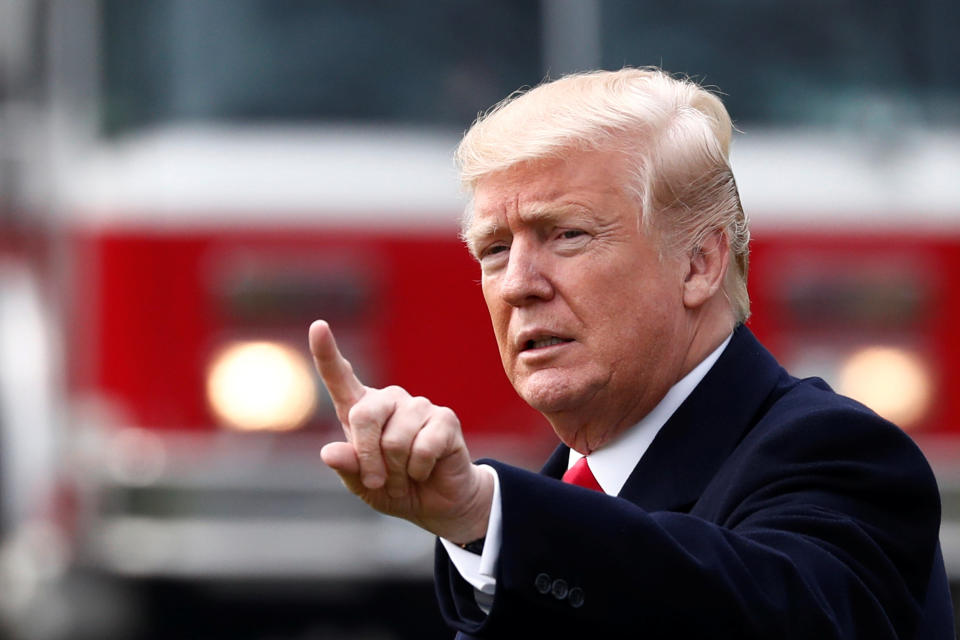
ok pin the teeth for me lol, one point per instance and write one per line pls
(546, 342)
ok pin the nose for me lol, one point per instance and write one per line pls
(525, 279)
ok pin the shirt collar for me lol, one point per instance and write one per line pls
(612, 464)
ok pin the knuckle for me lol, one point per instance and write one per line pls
(420, 404)
(393, 444)
(395, 391)
(428, 443)
(421, 451)
(446, 414)
(359, 414)
(370, 410)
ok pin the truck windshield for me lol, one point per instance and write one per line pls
(819, 62)
(375, 60)
(822, 62)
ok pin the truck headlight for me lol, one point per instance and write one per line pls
(894, 382)
(261, 386)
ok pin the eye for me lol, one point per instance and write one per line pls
(491, 251)
(571, 235)
(570, 241)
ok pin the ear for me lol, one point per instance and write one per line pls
(706, 270)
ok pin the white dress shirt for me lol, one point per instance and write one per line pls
(611, 466)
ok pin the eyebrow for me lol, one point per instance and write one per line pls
(472, 231)
(537, 214)
(477, 231)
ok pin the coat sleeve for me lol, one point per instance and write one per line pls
(823, 527)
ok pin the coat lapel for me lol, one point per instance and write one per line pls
(557, 463)
(701, 434)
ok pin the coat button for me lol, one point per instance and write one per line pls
(559, 589)
(543, 583)
(575, 597)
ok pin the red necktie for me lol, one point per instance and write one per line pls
(580, 475)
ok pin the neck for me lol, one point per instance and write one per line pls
(587, 429)
(708, 331)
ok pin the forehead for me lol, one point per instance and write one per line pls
(584, 184)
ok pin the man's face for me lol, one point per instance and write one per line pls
(589, 320)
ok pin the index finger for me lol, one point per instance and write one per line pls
(337, 373)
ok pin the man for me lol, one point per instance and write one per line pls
(725, 499)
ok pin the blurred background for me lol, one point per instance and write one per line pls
(186, 184)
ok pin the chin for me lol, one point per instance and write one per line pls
(556, 393)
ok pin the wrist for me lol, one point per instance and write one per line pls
(472, 527)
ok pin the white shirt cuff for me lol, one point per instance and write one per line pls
(480, 570)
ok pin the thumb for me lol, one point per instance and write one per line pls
(342, 458)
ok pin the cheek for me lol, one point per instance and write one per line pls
(499, 316)
(636, 319)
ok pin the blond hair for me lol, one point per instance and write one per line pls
(675, 135)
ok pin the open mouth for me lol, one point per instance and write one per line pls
(544, 342)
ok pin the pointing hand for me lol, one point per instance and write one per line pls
(403, 455)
